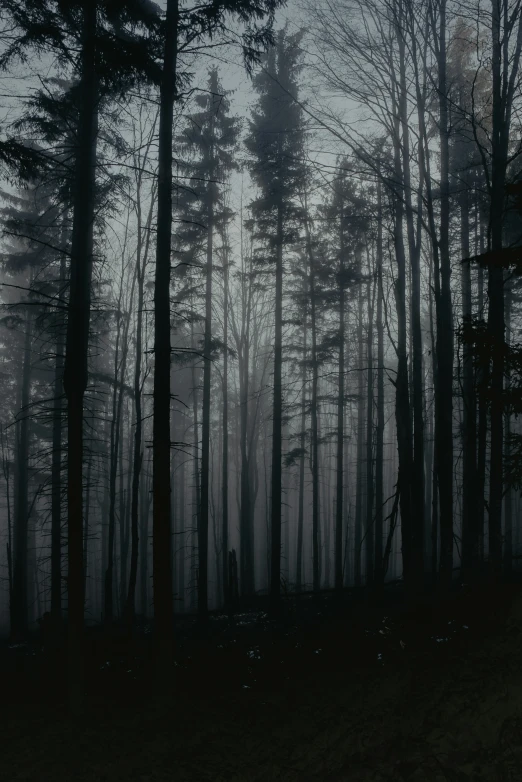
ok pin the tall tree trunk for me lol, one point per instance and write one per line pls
(302, 445)
(314, 415)
(340, 414)
(142, 254)
(326, 459)
(286, 516)
(86, 523)
(379, 433)
(197, 475)
(181, 530)
(434, 480)
(21, 542)
(275, 516)
(224, 458)
(444, 344)
(56, 472)
(246, 526)
(137, 458)
(416, 370)
(370, 488)
(113, 470)
(360, 443)
(470, 538)
(144, 546)
(314, 412)
(76, 351)
(482, 433)
(346, 507)
(162, 565)
(319, 528)
(124, 524)
(508, 493)
(9, 544)
(205, 428)
(405, 489)
(505, 74)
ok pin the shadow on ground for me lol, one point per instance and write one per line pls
(342, 693)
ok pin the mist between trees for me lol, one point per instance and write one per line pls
(211, 390)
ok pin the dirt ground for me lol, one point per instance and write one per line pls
(345, 695)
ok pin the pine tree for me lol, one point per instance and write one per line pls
(209, 138)
(275, 142)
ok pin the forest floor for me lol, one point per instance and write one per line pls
(344, 694)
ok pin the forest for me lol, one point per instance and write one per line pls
(260, 329)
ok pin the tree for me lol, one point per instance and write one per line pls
(93, 27)
(275, 141)
(209, 138)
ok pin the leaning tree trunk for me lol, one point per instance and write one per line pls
(77, 341)
(137, 459)
(162, 565)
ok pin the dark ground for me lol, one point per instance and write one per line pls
(339, 694)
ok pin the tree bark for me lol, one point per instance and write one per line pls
(224, 486)
(508, 493)
(205, 424)
(56, 472)
(470, 538)
(360, 440)
(137, 459)
(21, 543)
(379, 433)
(302, 445)
(314, 412)
(444, 344)
(246, 552)
(162, 565)
(275, 517)
(76, 351)
(370, 487)
(340, 414)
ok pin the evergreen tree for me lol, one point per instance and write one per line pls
(275, 142)
(345, 221)
(210, 139)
